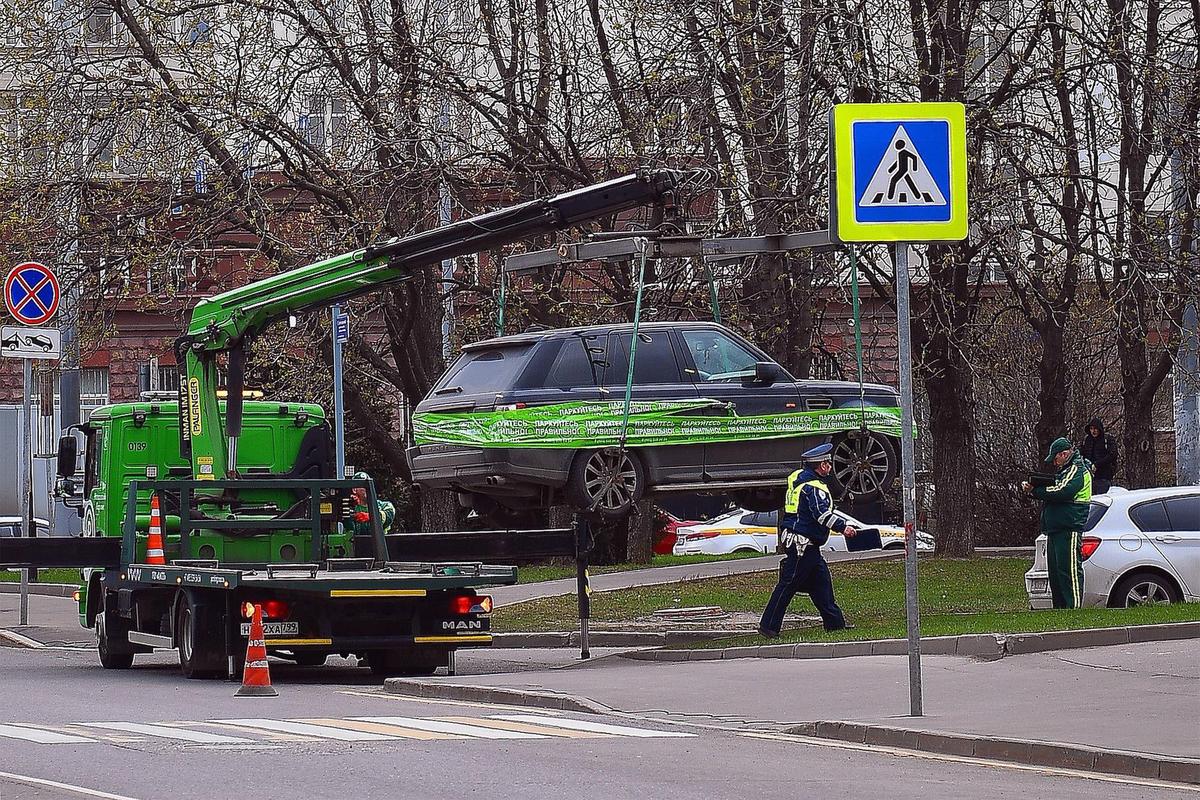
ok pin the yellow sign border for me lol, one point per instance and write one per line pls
(849, 229)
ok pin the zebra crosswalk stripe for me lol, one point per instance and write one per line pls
(308, 729)
(441, 726)
(595, 727)
(385, 730)
(42, 736)
(525, 727)
(164, 732)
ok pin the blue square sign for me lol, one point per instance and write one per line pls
(900, 172)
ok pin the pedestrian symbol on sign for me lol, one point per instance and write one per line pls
(902, 177)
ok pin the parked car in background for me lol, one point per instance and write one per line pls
(11, 526)
(666, 526)
(532, 420)
(739, 531)
(1138, 547)
(746, 531)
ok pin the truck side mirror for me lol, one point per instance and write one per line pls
(68, 452)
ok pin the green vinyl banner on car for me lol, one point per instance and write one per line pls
(651, 423)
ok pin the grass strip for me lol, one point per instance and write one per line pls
(956, 596)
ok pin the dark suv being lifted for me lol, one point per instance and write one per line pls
(535, 419)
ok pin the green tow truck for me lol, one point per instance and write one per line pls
(250, 509)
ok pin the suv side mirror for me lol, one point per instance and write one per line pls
(766, 373)
(68, 452)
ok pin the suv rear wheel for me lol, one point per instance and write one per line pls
(865, 463)
(607, 482)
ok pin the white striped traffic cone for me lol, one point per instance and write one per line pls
(154, 541)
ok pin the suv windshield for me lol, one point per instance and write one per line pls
(490, 370)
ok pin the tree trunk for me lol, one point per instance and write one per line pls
(1052, 391)
(640, 543)
(952, 432)
(439, 510)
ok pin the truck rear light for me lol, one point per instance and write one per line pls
(469, 604)
(1090, 543)
(275, 609)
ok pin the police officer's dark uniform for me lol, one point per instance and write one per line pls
(808, 518)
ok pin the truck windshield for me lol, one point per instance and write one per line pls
(492, 370)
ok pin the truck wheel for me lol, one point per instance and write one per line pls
(396, 663)
(199, 652)
(608, 482)
(114, 649)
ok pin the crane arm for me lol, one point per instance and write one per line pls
(228, 321)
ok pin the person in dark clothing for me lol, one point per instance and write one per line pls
(808, 518)
(1101, 450)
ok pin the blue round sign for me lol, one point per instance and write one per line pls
(31, 293)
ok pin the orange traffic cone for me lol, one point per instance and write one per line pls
(154, 541)
(256, 678)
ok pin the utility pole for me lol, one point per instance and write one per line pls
(341, 333)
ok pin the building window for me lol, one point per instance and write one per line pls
(98, 27)
(93, 390)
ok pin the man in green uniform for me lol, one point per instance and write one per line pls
(1063, 517)
(362, 517)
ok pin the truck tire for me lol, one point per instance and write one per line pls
(197, 634)
(402, 662)
(114, 649)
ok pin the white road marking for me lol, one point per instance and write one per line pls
(308, 729)
(66, 787)
(982, 762)
(41, 736)
(164, 732)
(412, 698)
(474, 731)
(595, 727)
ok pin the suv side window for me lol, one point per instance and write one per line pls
(655, 362)
(718, 358)
(1150, 516)
(575, 367)
(1184, 512)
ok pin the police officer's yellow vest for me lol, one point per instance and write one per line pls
(791, 503)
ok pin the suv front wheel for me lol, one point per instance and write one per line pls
(607, 482)
(865, 464)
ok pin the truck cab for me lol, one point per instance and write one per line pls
(139, 441)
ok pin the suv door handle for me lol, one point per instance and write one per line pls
(1169, 539)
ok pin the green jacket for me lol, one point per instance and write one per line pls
(1067, 499)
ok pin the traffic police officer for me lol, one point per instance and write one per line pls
(808, 518)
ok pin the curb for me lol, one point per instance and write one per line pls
(44, 589)
(1019, 751)
(554, 639)
(17, 640)
(490, 694)
(975, 645)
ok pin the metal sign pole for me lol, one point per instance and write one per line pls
(339, 421)
(26, 481)
(907, 459)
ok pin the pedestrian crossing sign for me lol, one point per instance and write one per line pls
(900, 172)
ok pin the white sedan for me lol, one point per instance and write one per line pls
(742, 531)
(1138, 547)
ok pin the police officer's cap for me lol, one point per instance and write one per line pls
(817, 454)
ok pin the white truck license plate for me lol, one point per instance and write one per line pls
(274, 628)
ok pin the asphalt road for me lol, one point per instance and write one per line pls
(148, 734)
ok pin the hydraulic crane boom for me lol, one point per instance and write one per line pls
(228, 321)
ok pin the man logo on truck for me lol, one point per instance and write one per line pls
(462, 625)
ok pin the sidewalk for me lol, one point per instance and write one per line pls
(1143, 698)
